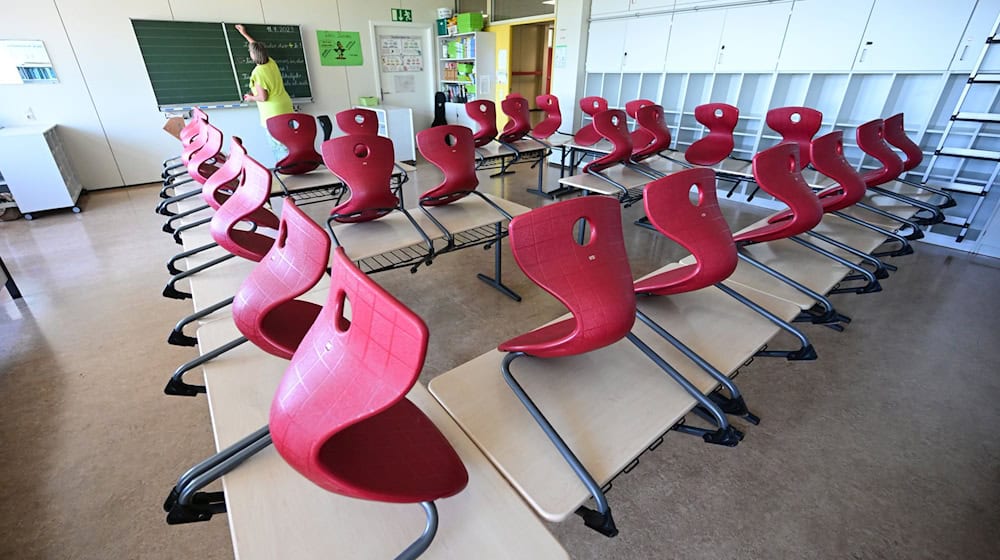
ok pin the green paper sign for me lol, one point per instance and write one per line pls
(339, 48)
(400, 14)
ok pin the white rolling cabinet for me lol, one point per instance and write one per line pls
(396, 124)
(455, 113)
(36, 169)
(834, 49)
(912, 35)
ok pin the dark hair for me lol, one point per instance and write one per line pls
(258, 52)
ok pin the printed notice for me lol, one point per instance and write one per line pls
(400, 54)
(339, 48)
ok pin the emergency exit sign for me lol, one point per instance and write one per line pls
(399, 14)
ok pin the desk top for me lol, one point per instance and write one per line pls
(609, 405)
(276, 513)
(620, 174)
(496, 149)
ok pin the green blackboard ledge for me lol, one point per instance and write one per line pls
(222, 105)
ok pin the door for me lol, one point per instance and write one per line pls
(694, 41)
(824, 36)
(404, 67)
(751, 38)
(606, 46)
(912, 35)
(646, 41)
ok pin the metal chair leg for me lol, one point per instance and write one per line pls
(177, 336)
(804, 352)
(599, 520)
(881, 271)
(422, 543)
(170, 289)
(827, 315)
(176, 384)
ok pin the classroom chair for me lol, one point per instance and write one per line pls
(357, 121)
(326, 125)
(268, 314)
(340, 416)
(203, 160)
(593, 280)
(720, 119)
(297, 133)
(365, 163)
(518, 119)
(553, 117)
(895, 135)
(185, 135)
(484, 113)
(591, 106)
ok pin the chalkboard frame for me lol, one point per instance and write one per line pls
(225, 30)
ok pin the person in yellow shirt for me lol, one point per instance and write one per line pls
(267, 89)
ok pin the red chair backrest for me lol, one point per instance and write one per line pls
(518, 118)
(340, 415)
(265, 309)
(653, 121)
(777, 171)
(247, 201)
(553, 117)
(357, 121)
(640, 136)
(871, 139)
(297, 132)
(206, 146)
(484, 114)
(193, 126)
(592, 106)
(798, 125)
(611, 125)
(828, 158)
(365, 164)
(720, 119)
(593, 280)
(697, 226)
(895, 135)
(450, 148)
(220, 185)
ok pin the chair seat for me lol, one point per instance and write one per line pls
(767, 232)
(254, 245)
(286, 325)
(544, 342)
(675, 280)
(374, 459)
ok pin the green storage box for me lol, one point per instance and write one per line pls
(442, 26)
(464, 68)
(366, 101)
(469, 22)
(453, 48)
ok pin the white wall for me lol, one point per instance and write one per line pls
(567, 81)
(116, 138)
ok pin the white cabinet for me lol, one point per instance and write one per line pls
(831, 50)
(912, 35)
(455, 113)
(694, 41)
(606, 46)
(972, 41)
(608, 7)
(396, 124)
(36, 169)
(751, 38)
(646, 40)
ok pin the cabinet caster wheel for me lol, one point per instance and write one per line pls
(29, 217)
(76, 209)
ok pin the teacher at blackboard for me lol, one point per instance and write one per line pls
(267, 89)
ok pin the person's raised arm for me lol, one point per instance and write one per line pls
(243, 32)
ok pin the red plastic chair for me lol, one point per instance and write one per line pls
(798, 125)
(519, 119)
(777, 172)
(340, 416)
(450, 148)
(720, 119)
(365, 164)
(248, 200)
(895, 135)
(871, 139)
(357, 121)
(297, 132)
(484, 114)
(553, 117)
(611, 125)
(640, 136)
(204, 149)
(652, 120)
(592, 106)
(265, 309)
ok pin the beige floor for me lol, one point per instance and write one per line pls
(888, 446)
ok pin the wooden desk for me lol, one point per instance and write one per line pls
(609, 405)
(274, 512)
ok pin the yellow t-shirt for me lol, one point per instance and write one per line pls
(267, 76)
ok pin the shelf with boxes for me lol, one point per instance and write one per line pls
(466, 66)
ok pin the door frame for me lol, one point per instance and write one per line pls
(430, 61)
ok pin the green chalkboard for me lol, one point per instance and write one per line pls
(200, 63)
(284, 44)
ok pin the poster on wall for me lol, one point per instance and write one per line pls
(399, 53)
(25, 62)
(339, 48)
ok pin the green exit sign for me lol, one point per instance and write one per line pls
(399, 14)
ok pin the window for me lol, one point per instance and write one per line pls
(512, 9)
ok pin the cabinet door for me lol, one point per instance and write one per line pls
(972, 42)
(824, 36)
(646, 42)
(912, 35)
(751, 38)
(605, 7)
(606, 46)
(640, 5)
(694, 41)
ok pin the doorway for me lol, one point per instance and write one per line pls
(404, 69)
(531, 62)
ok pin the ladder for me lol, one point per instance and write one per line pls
(958, 115)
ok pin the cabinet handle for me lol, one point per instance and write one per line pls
(722, 51)
(864, 51)
(965, 50)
